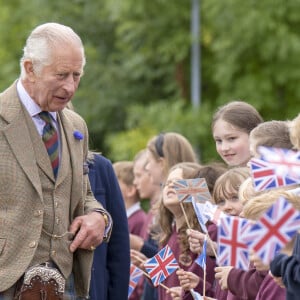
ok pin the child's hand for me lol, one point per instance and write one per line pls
(138, 259)
(175, 292)
(222, 275)
(196, 240)
(278, 280)
(136, 242)
(187, 280)
(257, 262)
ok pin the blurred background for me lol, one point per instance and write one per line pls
(141, 54)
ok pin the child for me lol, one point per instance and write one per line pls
(270, 134)
(135, 214)
(225, 195)
(163, 151)
(231, 126)
(253, 210)
(173, 229)
(286, 268)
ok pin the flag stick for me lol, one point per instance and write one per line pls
(204, 280)
(212, 246)
(185, 216)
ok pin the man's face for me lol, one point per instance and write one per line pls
(57, 83)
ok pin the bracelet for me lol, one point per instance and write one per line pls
(108, 223)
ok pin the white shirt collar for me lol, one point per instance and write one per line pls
(132, 209)
(30, 105)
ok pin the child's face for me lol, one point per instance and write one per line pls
(142, 179)
(253, 147)
(170, 199)
(155, 168)
(230, 205)
(232, 144)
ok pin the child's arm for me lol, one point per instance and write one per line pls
(249, 282)
(288, 268)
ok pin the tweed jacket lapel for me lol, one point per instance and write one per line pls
(19, 140)
(75, 158)
(41, 153)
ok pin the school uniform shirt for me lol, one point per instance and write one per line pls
(245, 284)
(136, 218)
(186, 262)
(270, 290)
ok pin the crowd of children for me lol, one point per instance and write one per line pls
(238, 131)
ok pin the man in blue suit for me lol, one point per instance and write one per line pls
(111, 265)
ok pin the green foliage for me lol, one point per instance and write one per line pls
(163, 116)
(137, 77)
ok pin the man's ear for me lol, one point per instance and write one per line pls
(28, 66)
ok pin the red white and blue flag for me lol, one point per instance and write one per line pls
(211, 212)
(195, 295)
(273, 230)
(200, 216)
(162, 265)
(135, 276)
(232, 250)
(286, 162)
(188, 188)
(265, 177)
(201, 259)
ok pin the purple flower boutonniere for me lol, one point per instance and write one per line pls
(78, 135)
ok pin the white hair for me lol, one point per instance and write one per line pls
(42, 40)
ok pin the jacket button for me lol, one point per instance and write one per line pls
(37, 213)
(32, 244)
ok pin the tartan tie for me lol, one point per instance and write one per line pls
(50, 138)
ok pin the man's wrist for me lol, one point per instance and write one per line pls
(108, 223)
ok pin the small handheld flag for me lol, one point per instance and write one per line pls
(273, 230)
(162, 265)
(135, 275)
(201, 259)
(232, 250)
(188, 188)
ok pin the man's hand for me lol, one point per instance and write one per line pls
(88, 231)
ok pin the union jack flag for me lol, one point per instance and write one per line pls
(200, 216)
(196, 296)
(201, 259)
(161, 265)
(211, 212)
(232, 250)
(188, 188)
(135, 275)
(286, 162)
(265, 176)
(273, 230)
